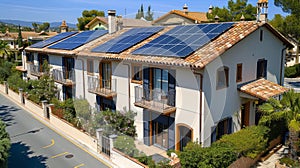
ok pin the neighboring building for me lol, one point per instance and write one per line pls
(181, 17)
(101, 23)
(186, 83)
(292, 56)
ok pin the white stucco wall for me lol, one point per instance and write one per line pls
(223, 103)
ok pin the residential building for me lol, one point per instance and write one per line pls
(181, 17)
(186, 83)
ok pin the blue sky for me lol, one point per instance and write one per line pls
(70, 10)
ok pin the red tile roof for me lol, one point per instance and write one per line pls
(262, 89)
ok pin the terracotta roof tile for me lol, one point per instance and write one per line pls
(195, 16)
(262, 89)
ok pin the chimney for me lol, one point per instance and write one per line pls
(242, 17)
(185, 9)
(64, 27)
(112, 27)
(217, 18)
(262, 11)
(210, 9)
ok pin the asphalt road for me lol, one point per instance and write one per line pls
(34, 145)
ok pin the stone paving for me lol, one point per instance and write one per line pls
(270, 162)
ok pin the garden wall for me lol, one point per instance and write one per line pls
(125, 161)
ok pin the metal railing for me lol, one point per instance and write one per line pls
(64, 76)
(35, 69)
(103, 87)
(157, 100)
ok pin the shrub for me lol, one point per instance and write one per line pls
(4, 145)
(289, 162)
(292, 71)
(15, 82)
(126, 145)
(248, 142)
(218, 155)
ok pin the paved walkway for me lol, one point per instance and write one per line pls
(270, 162)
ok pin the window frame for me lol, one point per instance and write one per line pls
(133, 80)
(239, 72)
(225, 70)
(89, 64)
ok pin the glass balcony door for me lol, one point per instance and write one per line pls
(105, 75)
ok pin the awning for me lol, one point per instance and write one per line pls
(262, 89)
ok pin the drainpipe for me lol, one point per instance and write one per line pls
(83, 79)
(200, 108)
(129, 98)
(281, 65)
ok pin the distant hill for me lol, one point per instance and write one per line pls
(29, 23)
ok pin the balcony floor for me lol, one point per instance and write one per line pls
(104, 92)
(156, 106)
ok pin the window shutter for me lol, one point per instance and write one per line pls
(146, 83)
(172, 87)
(213, 134)
(265, 68)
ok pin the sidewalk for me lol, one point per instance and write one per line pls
(270, 162)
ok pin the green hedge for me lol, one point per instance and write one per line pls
(249, 142)
(292, 71)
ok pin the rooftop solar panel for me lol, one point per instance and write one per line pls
(127, 40)
(183, 40)
(78, 40)
(52, 40)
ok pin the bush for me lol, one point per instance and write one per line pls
(289, 162)
(15, 82)
(292, 71)
(4, 145)
(218, 155)
(126, 145)
(248, 142)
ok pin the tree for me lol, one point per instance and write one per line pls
(287, 108)
(289, 6)
(4, 145)
(4, 49)
(87, 16)
(41, 27)
(20, 38)
(140, 13)
(149, 15)
(83, 112)
(234, 11)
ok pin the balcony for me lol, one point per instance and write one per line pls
(154, 100)
(35, 70)
(63, 76)
(105, 88)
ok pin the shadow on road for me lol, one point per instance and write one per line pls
(6, 114)
(28, 132)
(20, 156)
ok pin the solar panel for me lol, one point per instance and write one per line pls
(78, 40)
(181, 41)
(52, 40)
(127, 40)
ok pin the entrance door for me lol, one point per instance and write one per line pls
(161, 137)
(245, 115)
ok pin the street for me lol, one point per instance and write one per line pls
(34, 145)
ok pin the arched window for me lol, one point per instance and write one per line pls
(222, 77)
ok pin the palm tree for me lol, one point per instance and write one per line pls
(288, 108)
(4, 49)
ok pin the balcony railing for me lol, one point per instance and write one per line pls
(35, 70)
(105, 88)
(155, 100)
(63, 76)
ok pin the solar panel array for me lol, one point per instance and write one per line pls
(127, 40)
(78, 40)
(181, 41)
(52, 40)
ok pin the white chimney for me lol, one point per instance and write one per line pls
(112, 25)
(262, 11)
(210, 9)
(185, 9)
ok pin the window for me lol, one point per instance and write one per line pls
(222, 77)
(29, 57)
(160, 80)
(224, 127)
(239, 72)
(261, 35)
(261, 68)
(90, 67)
(136, 74)
(105, 75)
